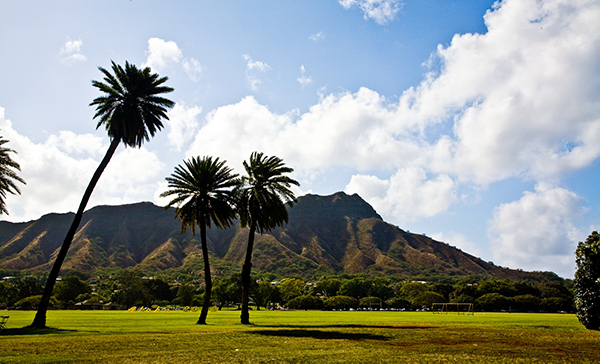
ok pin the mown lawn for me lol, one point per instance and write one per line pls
(298, 337)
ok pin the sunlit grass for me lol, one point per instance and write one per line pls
(298, 337)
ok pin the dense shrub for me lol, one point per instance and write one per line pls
(340, 303)
(587, 284)
(32, 302)
(305, 303)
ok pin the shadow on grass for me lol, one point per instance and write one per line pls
(320, 334)
(313, 332)
(34, 331)
(354, 326)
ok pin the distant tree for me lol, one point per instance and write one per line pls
(587, 282)
(131, 110)
(355, 287)
(493, 302)
(427, 299)
(398, 303)
(525, 303)
(67, 290)
(185, 295)
(132, 290)
(340, 303)
(291, 288)
(228, 290)
(158, 290)
(411, 290)
(8, 176)
(305, 303)
(503, 287)
(443, 289)
(329, 287)
(371, 302)
(262, 293)
(262, 207)
(204, 191)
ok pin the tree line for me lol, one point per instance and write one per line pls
(130, 288)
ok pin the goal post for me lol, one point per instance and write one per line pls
(459, 308)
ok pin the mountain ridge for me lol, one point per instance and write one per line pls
(337, 234)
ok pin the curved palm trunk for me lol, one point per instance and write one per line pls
(40, 317)
(207, 278)
(246, 270)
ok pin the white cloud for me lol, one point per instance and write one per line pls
(58, 170)
(162, 55)
(303, 79)
(254, 69)
(460, 241)
(317, 37)
(537, 232)
(183, 124)
(407, 195)
(71, 52)
(521, 98)
(382, 11)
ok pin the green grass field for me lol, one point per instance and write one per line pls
(297, 337)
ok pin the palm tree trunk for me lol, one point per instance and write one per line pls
(207, 278)
(246, 270)
(40, 317)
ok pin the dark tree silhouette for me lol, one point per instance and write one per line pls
(8, 176)
(587, 282)
(131, 110)
(262, 207)
(205, 195)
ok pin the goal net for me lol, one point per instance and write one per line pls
(459, 308)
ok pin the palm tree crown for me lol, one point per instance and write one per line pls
(204, 190)
(7, 175)
(266, 192)
(131, 109)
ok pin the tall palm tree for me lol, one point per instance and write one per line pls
(131, 110)
(7, 175)
(262, 207)
(205, 195)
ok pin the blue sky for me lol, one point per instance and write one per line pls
(473, 122)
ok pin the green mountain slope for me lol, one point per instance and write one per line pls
(328, 234)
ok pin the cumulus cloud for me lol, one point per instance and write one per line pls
(183, 124)
(409, 194)
(537, 230)
(382, 11)
(254, 70)
(71, 52)
(162, 55)
(303, 79)
(520, 98)
(58, 170)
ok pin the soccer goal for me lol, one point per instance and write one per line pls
(459, 308)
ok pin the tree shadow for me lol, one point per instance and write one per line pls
(313, 331)
(320, 334)
(34, 331)
(354, 326)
